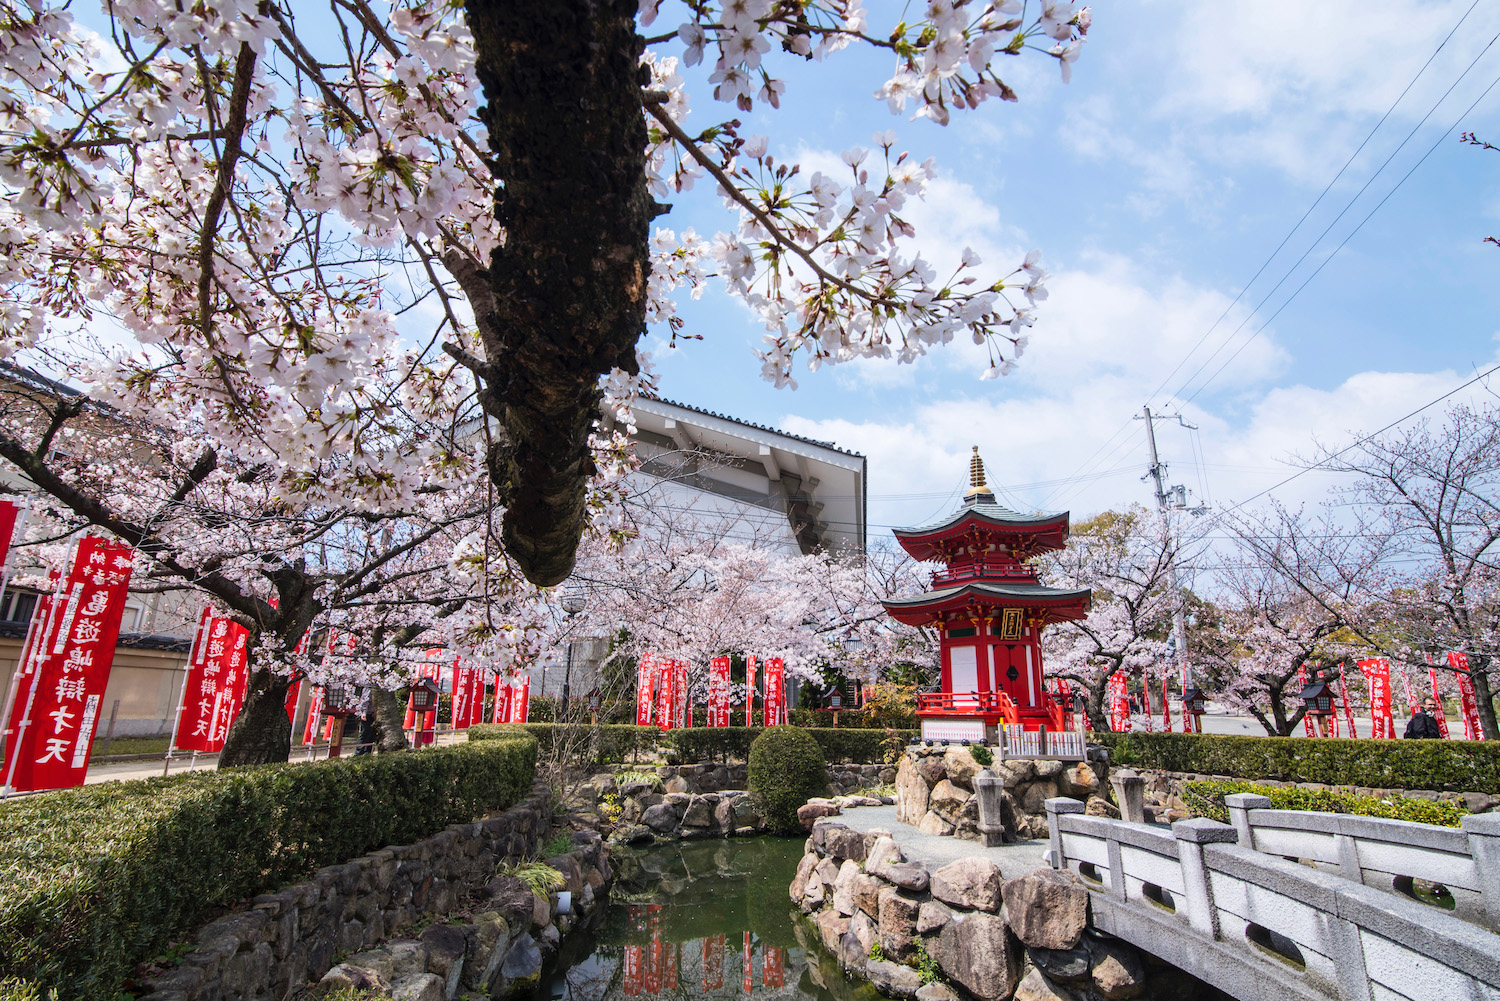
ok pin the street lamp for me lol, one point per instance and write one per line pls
(572, 603)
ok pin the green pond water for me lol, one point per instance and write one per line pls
(701, 919)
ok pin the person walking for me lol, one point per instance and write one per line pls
(1423, 723)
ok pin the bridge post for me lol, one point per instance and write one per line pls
(1192, 837)
(1483, 830)
(1056, 807)
(1130, 794)
(1240, 804)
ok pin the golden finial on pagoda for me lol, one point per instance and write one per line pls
(976, 475)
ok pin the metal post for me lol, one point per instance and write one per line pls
(109, 734)
(562, 706)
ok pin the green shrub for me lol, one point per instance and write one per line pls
(983, 756)
(612, 744)
(96, 879)
(12, 989)
(1206, 799)
(1458, 765)
(787, 768)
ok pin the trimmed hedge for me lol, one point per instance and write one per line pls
(1465, 766)
(787, 768)
(611, 744)
(97, 879)
(1206, 799)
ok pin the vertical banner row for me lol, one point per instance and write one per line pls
(774, 712)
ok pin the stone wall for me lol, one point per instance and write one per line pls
(1026, 939)
(935, 791)
(355, 912)
(692, 801)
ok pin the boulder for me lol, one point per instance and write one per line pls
(972, 883)
(699, 813)
(446, 945)
(378, 961)
(935, 825)
(841, 842)
(408, 956)
(960, 767)
(827, 870)
(863, 927)
(851, 954)
(724, 813)
(1047, 909)
(1015, 771)
(832, 928)
(911, 792)
(419, 987)
(661, 818)
(898, 924)
(843, 888)
(1064, 965)
(947, 799)
(893, 979)
(1035, 987)
(1078, 781)
(807, 813)
(932, 769)
(936, 991)
(813, 896)
(522, 967)
(974, 951)
(1047, 768)
(1034, 796)
(1118, 973)
(932, 916)
(1098, 807)
(678, 784)
(804, 873)
(867, 894)
(348, 976)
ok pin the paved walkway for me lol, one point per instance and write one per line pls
(934, 852)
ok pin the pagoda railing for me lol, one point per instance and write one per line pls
(970, 703)
(1055, 712)
(990, 569)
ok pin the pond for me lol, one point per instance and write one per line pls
(701, 918)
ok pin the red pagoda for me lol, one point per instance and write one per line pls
(989, 610)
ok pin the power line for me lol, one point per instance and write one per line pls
(1399, 147)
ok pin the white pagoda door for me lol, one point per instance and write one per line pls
(963, 669)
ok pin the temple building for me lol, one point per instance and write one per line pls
(989, 609)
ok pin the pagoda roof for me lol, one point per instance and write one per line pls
(1058, 604)
(981, 512)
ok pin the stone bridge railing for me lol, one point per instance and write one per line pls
(1391, 855)
(1260, 927)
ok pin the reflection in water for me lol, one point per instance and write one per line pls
(684, 918)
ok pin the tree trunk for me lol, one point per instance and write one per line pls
(566, 295)
(389, 714)
(1479, 677)
(261, 734)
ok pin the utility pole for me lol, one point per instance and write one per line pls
(1176, 497)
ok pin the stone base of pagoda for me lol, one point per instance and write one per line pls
(1031, 737)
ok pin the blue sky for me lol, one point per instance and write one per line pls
(1190, 141)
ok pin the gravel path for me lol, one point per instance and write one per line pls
(1013, 860)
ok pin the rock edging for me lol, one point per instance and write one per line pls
(986, 937)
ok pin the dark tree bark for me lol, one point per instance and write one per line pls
(389, 715)
(1484, 699)
(261, 734)
(564, 300)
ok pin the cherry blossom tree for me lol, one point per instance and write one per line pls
(259, 205)
(1431, 496)
(266, 543)
(1126, 558)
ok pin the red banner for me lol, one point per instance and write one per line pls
(750, 691)
(1467, 703)
(772, 966)
(430, 668)
(314, 709)
(652, 979)
(467, 707)
(1307, 720)
(1119, 703)
(215, 685)
(55, 731)
(520, 700)
(9, 512)
(1348, 706)
(293, 693)
(1378, 671)
(503, 693)
(665, 673)
(681, 702)
(1166, 705)
(1442, 717)
(775, 704)
(718, 692)
(644, 675)
(713, 960)
(1146, 699)
(749, 973)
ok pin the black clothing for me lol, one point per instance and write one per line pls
(1423, 726)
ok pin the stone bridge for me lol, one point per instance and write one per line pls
(1288, 905)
